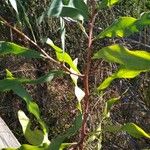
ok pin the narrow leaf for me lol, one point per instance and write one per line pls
(11, 48)
(56, 143)
(121, 73)
(122, 27)
(14, 5)
(62, 56)
(125, 26)
(109, 105)
(34, 137)
(135, 130)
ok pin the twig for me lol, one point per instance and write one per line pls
(46, 56)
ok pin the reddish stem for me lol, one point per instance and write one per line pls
(83, 132)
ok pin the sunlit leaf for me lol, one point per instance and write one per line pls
(34, 137)
(127, 58)
(135, 130)
(31, 147)
(8, 74)
(14, 5)
(107, 3)
(11, 48)
(126, 26)
(73, 76)
(57, 142)
(79, 93)
(66, 145)
(122, 27)
(62, 56)
(121, 73)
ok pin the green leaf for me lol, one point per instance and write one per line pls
(127, 58)
(122, 27)
(55, 8)
(81, 6)
(107, 3)
(121, 73)
(9, 74)
(16, 86)
(144, 20)
(135, 130)
(56, 143)
(34, 137)
(66, 145)
(62, 32)
(125, 26)
(62, 56)
(11, 48)
(31, 147)
(75, 9)
(109, 105)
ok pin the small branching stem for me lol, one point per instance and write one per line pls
(45, 55)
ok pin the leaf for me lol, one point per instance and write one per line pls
(11, 48)
(31, 147)
(109, 105)
(75, 9)
(135, 130)
(119, 54)
(14, 5)
(9, 74)
(66, 145)
(62, 56)
(33, 137)
(107, 3)
(79, 93)
(122, 27)
(125, 26)
(56, 143)
(121, 73)
(81, 6)
(74, 77)
(16, 86)
(63, 32)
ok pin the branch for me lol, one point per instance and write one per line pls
(83, 132)
(46, 56)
